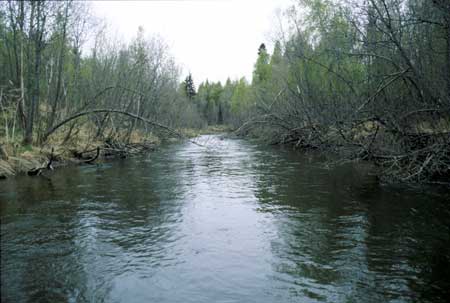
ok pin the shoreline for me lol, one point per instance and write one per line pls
(33, 163)
(17, 160)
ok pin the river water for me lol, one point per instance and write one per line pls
(229, 221)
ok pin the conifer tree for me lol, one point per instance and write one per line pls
(261, 72)
(189, 87)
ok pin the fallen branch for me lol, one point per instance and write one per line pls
(89, 161)
(94, 111)
(38, 171)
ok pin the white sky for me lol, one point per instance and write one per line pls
(212, 39)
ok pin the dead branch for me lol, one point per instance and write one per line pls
(89, 161)
(94, 111)
(38, 171)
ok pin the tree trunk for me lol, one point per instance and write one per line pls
(34, 106)
(30, 111)
(60, 66)
(447, 74)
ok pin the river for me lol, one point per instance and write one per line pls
(229, 221)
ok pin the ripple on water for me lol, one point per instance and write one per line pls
(227, 222)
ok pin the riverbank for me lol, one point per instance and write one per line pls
(17, 159)
(417, 157)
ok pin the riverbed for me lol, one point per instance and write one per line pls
(224, 221)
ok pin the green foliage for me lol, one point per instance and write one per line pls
(240, 98)
(277, 56)
(210, 102)
(261, 73)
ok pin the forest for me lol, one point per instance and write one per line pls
(364, 80)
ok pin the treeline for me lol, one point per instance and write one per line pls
(232, 103)
(45, 78)
(367, 79)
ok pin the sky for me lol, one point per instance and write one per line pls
(212, 39)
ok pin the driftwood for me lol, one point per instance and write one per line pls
(38, 171)
(89, 161)
(111, 150)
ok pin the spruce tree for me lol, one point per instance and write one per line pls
(261, 72)
(189, 87)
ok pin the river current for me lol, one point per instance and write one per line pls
(228, 221)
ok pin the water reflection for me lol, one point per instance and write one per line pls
(228, 221)
(344, 238)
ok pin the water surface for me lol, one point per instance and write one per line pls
(229, 222)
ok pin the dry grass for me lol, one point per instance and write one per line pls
(6, 169)
(22, 159)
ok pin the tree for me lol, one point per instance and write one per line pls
(38, 20)
(366, 78)
(277, 56)
(239, 100)
(46, 79)
(261, 71)
(189, 87)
